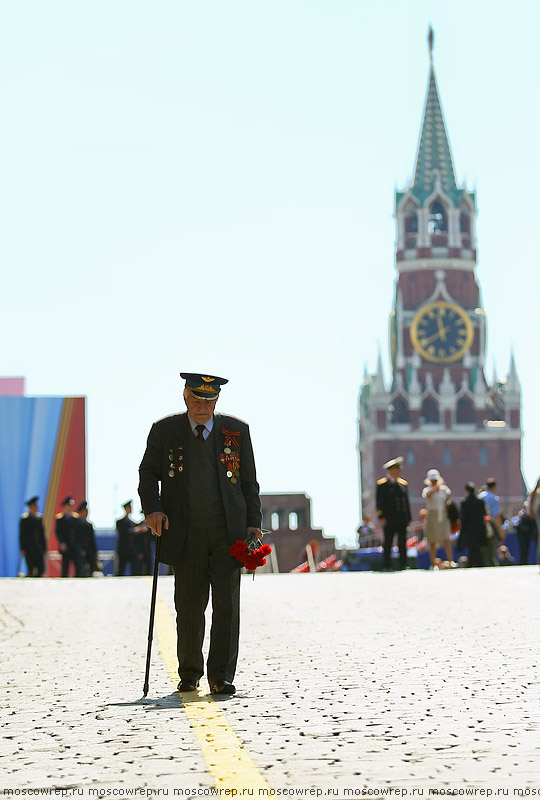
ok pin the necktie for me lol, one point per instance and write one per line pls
(200, 429)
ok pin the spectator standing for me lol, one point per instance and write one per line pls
(473, 526)
(527, 532)
(437, 494)
(87, 542)
(367, 533)
(495, 533)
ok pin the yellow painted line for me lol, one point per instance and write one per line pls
(228, 762)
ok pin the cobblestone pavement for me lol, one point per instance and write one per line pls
(346, 681)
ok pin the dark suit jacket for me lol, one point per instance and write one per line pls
(473, 526)
(165, 462)
(393, 503)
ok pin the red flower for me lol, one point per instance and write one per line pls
(251, 559)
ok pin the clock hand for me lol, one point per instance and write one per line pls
(442, 330)
(435, 336)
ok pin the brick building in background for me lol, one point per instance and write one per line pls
(439, 410)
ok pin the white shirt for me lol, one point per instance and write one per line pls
(437, 501)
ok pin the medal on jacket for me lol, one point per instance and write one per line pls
(231, 458)
(179, 458)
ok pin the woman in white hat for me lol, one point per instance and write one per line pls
(437, 494)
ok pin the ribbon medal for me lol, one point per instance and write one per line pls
(231, 457)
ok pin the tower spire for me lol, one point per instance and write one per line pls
(434, 158)
(430, 38)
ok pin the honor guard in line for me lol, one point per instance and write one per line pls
(32, 539)
(125, 546)
(68, 536)
(209, 499)
(87, 542)
(393, 511)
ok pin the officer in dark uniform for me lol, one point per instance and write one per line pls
(142, 550)
(68, 536)
(393, 511)
(125, 546)
(87, 542)
(32, 539)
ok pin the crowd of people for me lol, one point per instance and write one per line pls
(77, 545)
(478, 522)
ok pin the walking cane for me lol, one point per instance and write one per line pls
(152, 614)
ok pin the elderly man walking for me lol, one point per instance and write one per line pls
(209, 499)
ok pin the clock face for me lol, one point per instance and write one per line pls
(442, 332)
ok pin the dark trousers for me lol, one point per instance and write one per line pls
(389, 532)
(206, 564)
(524, 541)
(475, 556)
(71, 554)
(34, 565)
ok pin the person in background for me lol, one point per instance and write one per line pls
(125, 528)
(87, 542)
(393, 511)
(67, 535)
(437, 494)
(504, 556)
(526, 531)
(473, 526)
(495, 531)
(366, 531)
(32, 539)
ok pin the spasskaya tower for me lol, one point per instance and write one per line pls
(439, 409)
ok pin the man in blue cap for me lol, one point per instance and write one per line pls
(32, 539)
(209, 499)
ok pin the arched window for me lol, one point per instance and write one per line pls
(465, 409)
(411, 222)
(483, 457)
(447, 457)
(410, 457)
(399, 410)
(464, 223)
(430, 410)
(293, 521)
(437, 223)
(274, 521)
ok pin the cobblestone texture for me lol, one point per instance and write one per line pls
(345, 680)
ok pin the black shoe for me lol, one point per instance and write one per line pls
(187, 685)
(222, 687)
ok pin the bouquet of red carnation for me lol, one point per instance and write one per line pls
(251, 552)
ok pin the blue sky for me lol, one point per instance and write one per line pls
(209, 186)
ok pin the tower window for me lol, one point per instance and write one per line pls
(293, 521)
(410, 458)
(483, 457)
(411, 223)
(465, 410)
(447, 457)
(437, 219)
(464, 223)
(399, 410)
(430, 410)
(274, 521)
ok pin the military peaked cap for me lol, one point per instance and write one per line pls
(82, 506)
(394, 462)
(32, 500)
(67, 501)
(207, 386)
